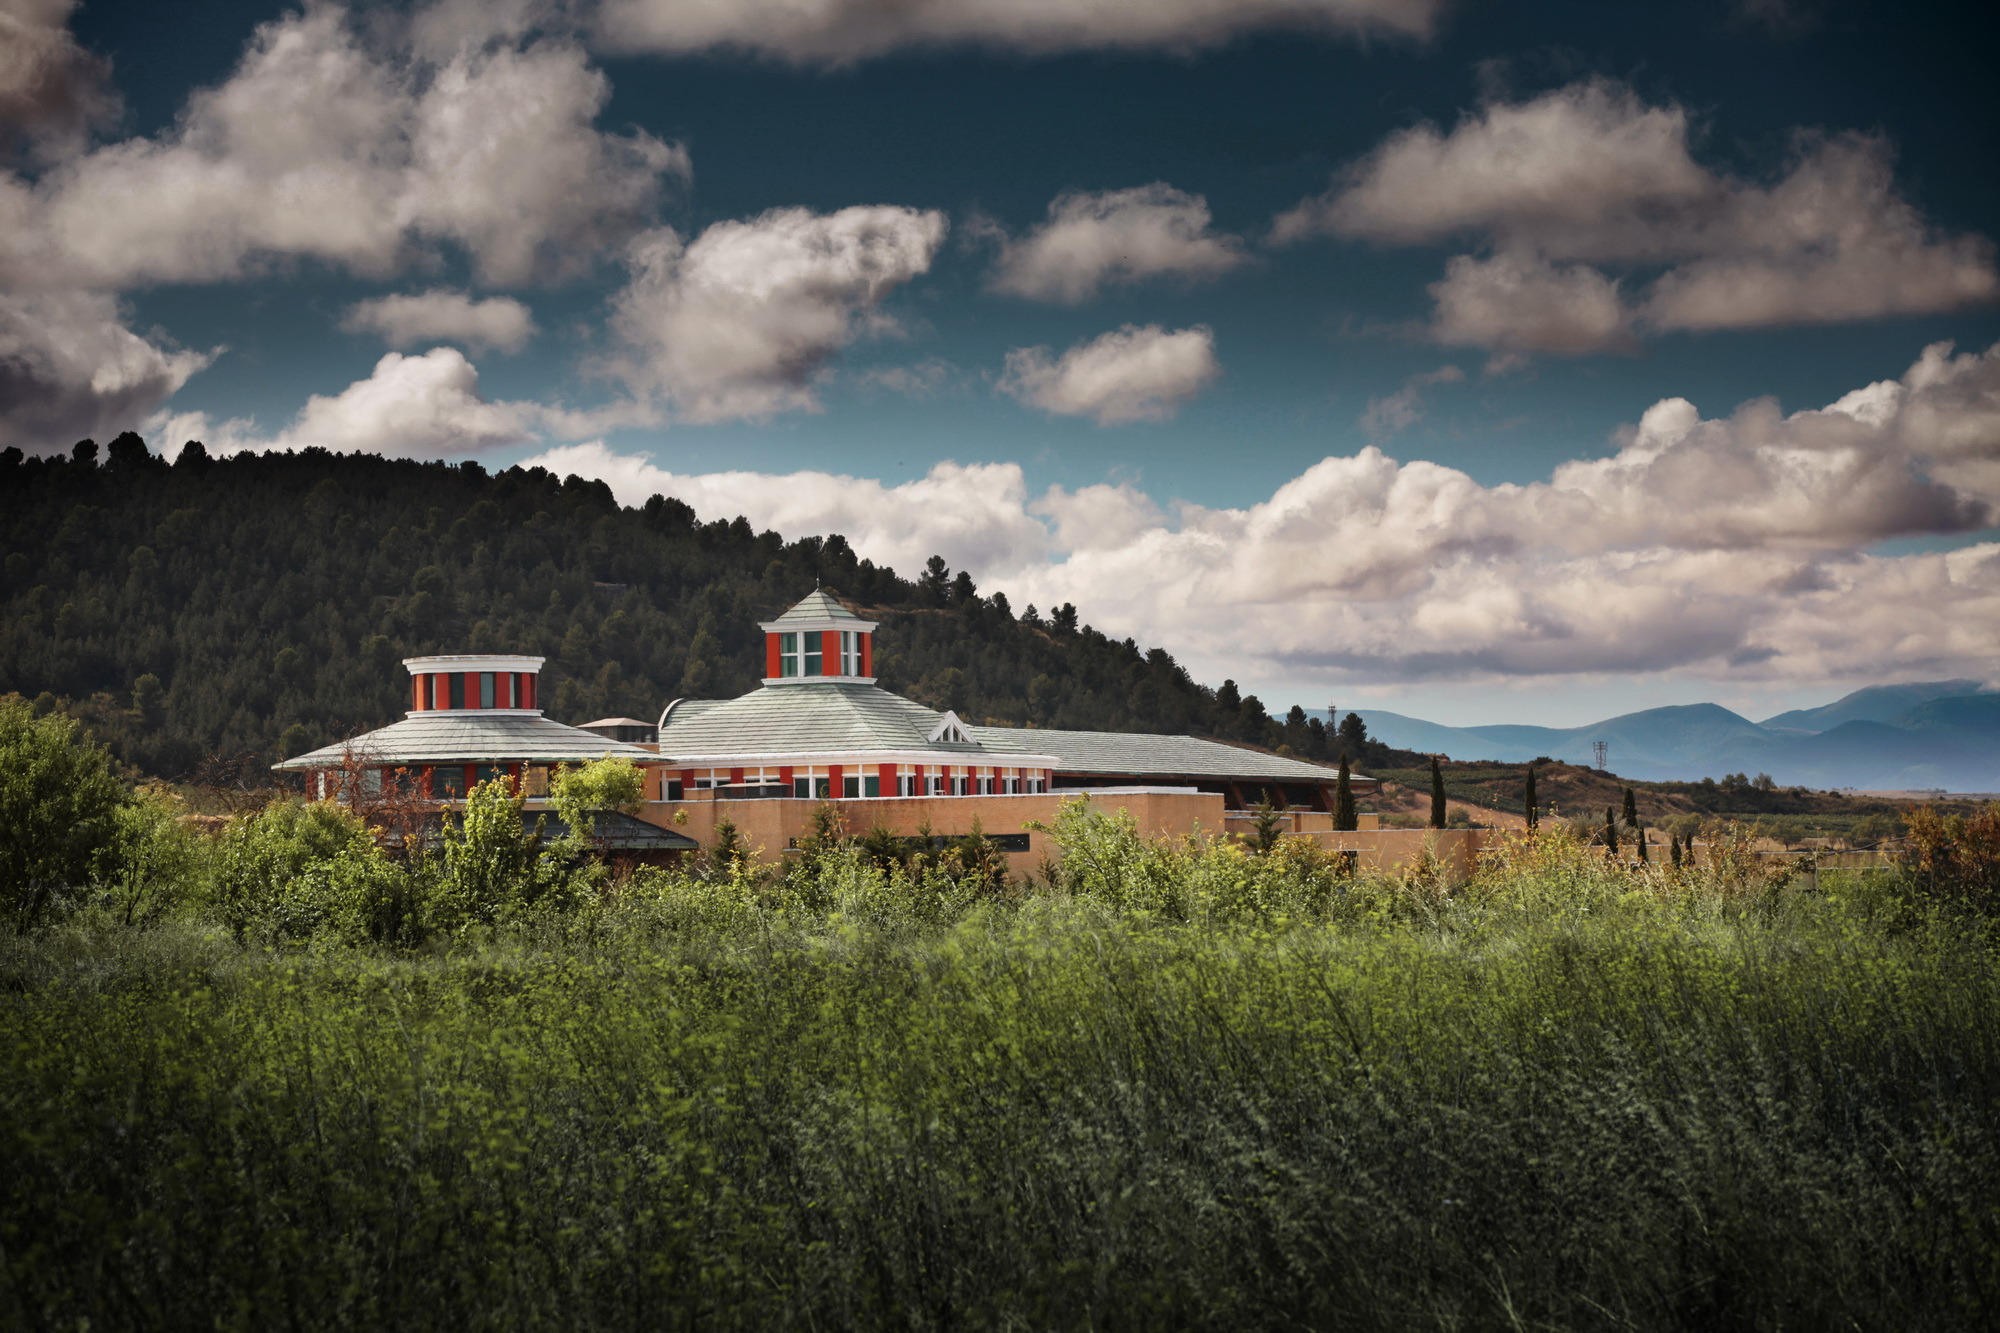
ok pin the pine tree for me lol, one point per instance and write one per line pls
(1610, 834)
(1437, 794)
(1631, 810)
(1343, 799)
(1528, 798)
(1644, 857)
(1674, 850)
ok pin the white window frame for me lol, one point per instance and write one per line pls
(788, 653)
(934, 783)
(813, 780)
(850, 652)
(813, 661)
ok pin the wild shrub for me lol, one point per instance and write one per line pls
(1955, 859)
(494, 868)
(59, 812)
(156, 859)
(295, 870)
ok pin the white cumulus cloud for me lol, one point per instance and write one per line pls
(440, 315)
(69, 367)
(842, 31)
(973, 514)
(1133, 373)
(1700, 545)
(1117, 236)
(320, 146)
(741, 321)
(52, 91)
(1586, 178)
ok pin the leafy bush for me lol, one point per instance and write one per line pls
(1956, 858)
(59, 812)
(295, 870)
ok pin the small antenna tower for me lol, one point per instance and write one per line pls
(1599, 749)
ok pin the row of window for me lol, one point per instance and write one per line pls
(802, 654)
(490, 689)
(814, 784)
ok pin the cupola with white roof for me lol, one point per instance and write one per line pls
(819, 642)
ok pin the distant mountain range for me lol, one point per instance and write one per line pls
(1917, 736)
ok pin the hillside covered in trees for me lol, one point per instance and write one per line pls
(235, 610)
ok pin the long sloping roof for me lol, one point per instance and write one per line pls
(805, 719)
(1133, 754)
(469, 738)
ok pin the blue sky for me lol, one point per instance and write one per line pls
(1460, 359)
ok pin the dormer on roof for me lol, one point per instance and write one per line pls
(819, 642)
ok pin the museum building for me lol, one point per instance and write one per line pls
(820, 729)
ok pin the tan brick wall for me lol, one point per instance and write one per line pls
(770, 826)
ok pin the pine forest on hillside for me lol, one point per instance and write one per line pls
(254, 606)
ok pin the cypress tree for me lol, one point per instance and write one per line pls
(1343, 799)
(1674, 850)
(1645, 858)
(1528, 797)
(1631, 810)
(1437, 794)
(1610, 834)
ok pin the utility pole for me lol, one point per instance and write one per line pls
(1600, 749)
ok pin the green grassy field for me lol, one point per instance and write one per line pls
(1179, 1088)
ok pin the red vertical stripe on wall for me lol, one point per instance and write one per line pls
(835, 775)
(770, 655)
(785, 776)
(533, 683)
(829, 652)
(417, 694)
(885, 774)
(471, 688)
(867, 653)
(735, 776)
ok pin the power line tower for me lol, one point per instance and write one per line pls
(1599, 749)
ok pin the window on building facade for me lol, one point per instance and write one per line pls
(1011, 784)
(535, 780)
(457, 679)
(811, 784)
(673, 789)
(488, 772)
(788, 654)
(850, 652)
(906, 783)
(1036, 786)
(814, 664)
(934, 784)
(448, 780)
(709, 780)
(486, 689)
